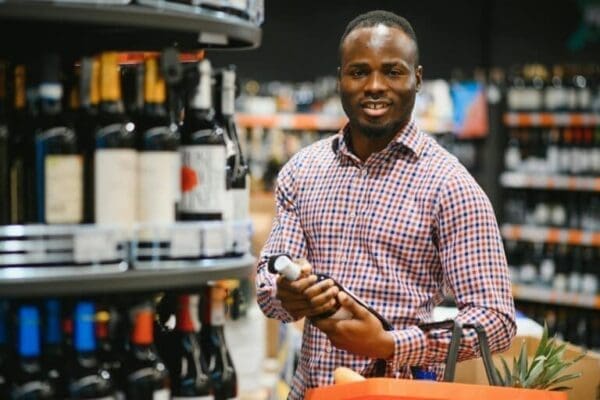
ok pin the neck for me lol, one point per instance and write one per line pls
(363, 145)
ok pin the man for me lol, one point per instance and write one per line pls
(387, 212)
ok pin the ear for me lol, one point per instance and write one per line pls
(419, 77)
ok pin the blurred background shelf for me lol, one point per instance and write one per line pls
(550, 182)
(550, 235)
(551, 296)
(539, 119)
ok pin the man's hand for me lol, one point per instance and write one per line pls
(304, 297)
(362, 335)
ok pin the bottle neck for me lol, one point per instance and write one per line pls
(214, 309)
(84, 332)
(142, 333)
(53, 334)
(202, 97)
(187, 314)
(29, 332)
(227, 94)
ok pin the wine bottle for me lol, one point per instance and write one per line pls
(89, 97)
(5, 351)
(146, 376)
(109, 357)
(28, 380)
(214, 347)
(187, 365)
(238, 184)
(115, 157)
(158, 157)
(53, 359)
(4, 150)
(203, 152)
(283, 264)
(59, 168)
(87, 379)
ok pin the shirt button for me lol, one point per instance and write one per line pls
(364, 173)
(328, 348)
(352, 215)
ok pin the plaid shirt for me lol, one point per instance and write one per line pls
(399, 230)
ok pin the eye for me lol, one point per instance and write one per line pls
(358, 73)
(395, 73)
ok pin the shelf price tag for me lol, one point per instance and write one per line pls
(185, 242)
(214, 240)
(92, 245)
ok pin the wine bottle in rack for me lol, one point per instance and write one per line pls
(158, 157)
(4, 149)
(89, 98)
(59, 167)
(28, 378)
(5, 350)
(53, 359)
(87, 379)
(214, 347)
(187, 365)
(238, 184)
(146, 376)
(115, 157)
(109, 356)
(203, 173)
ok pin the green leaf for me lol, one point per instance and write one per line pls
(543, 342)
(561, 388)
(508, 373)
(523, 363)
(500, 378)
(563, 378)
(534, 374)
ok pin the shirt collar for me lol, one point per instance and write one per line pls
(409, 137)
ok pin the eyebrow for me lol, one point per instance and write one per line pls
(385, 64)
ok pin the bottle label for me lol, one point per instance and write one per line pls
(63, 189)
(203, 180)
(162, 394)
(210, 397)
(156, 190)
(115, 186)
(217, 312)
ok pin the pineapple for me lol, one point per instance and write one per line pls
(544, 372)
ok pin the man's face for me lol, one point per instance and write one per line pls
(378, 79)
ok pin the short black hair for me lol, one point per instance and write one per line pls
(377, 17)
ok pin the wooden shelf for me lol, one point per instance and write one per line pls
(551, 182)
(527, 119)
(550, 296)
(550, 235)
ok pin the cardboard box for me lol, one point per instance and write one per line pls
(586, 387)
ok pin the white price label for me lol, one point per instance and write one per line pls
(185, 242)
(94, 246)
(214, 240)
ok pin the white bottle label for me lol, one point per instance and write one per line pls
(156, 189)
(63, 189)
(115, 186)
(217, 312)
(162, 394)
(211, 397)
(203, 179)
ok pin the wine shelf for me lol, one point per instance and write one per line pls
(308, 122)
(551, 182)
(34, 282)
(121, 27)
(534, 119)
(550, 235)
(550, 296)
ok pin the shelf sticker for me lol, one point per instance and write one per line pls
(91, 245)
(185, 242)
(214, 240)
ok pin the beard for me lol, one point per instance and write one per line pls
(378, 131)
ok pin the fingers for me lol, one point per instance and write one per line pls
(298, 286)
(305, 267)
(358, 311)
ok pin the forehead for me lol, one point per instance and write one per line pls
(378, 41)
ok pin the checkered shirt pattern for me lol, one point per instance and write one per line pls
(399, 230)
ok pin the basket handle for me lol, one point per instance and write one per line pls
(452, 357)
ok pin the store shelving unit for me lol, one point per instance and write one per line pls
(549, 182)
(550, 296)
(541, 119)
(292, 121)
(540, 234)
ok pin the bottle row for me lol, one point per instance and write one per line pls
(574, 325)
(571, 150)
(139, 348)
(535, 87)
(96, 142)
(566, 209)
(564, 268)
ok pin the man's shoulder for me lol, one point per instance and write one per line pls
(313, 155)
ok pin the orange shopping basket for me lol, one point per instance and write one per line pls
(407, 389)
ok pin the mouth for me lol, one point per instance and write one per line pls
(375, 109)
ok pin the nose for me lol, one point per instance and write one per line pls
(375, 85)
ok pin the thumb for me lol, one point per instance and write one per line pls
(305, 266)
(358, 311)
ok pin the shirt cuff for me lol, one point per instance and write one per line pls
(410, 348)
(270, 304)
